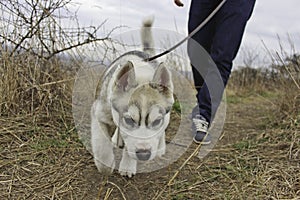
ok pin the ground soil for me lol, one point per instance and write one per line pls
(249, 161)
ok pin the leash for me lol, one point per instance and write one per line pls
(200, 26)
(205, 21)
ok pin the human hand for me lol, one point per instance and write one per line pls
(178, 3)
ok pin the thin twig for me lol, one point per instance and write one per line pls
(115, 185)
(178, 171)
(288, 70)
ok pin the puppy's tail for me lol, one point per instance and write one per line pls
(146, 35)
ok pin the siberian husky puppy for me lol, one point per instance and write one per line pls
(132, 109)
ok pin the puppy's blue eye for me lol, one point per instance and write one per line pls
(156, 122)
(129, 121)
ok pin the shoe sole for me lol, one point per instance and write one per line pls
(201, 142)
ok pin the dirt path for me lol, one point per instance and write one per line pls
(250, 161)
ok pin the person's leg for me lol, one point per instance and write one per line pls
(199, 10)
(230, 23)
(198, 50)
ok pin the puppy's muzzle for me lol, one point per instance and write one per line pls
(143, 154)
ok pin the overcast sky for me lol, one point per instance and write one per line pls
(271, 19)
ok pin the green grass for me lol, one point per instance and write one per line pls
(233, 99)
(49, 143)
(244, 145)
(177, 106)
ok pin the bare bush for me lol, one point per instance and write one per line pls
(289, 83)
(281, 80)
(255, 79)
(38, 27)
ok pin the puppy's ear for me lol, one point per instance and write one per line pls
(126, 77)
(162, 79)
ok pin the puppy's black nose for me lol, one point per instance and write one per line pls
(143, 154)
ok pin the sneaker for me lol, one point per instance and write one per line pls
(200, 126)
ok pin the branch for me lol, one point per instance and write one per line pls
(75, 46)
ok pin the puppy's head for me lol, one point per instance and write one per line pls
(141, 109)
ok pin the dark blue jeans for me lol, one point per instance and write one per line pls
(220, 38)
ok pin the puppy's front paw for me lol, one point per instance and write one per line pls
(127, 166)
(106, 168)
(127, 172)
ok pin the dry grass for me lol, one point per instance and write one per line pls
(36, 124)
(281, 80)
(252, 160)
(257, 156)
